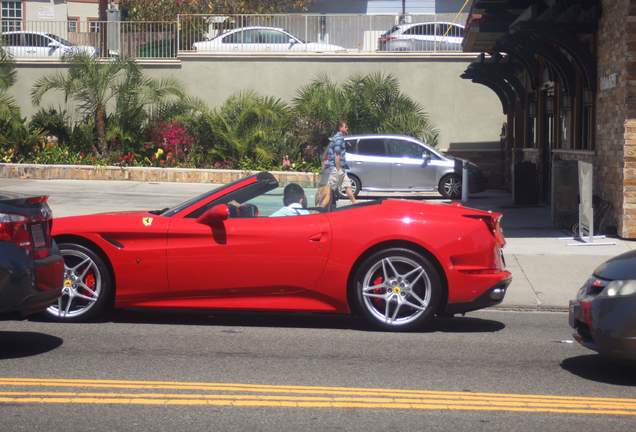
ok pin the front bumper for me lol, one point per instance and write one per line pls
(26, 286)
(491, 297)
(606, 325)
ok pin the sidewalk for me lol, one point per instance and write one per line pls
(547, 271)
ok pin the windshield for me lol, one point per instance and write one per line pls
(174, 210)
(393, 29)
(60, 40)
(263, 177)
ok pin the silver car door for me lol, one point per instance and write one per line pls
(369, 162)
(411, 168)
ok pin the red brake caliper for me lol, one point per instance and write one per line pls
(376, 301)
(89, 280)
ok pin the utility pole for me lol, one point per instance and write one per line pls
(403, 15)
(102, 36)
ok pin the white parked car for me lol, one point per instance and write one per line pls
(430, 37)
(27, 44)
(261, 39)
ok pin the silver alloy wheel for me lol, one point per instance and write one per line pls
(402, 296)
(77, 297)
(452, 186)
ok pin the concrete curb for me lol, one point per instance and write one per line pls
(144, 174)
(529, 308)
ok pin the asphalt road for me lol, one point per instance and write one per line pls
(497, 371)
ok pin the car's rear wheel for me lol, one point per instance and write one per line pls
(355, 187)
(450, 186)
(88, 287)
(397, 289)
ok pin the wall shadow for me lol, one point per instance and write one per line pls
(25, 344)
(600, 369)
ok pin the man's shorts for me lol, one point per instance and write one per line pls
(336, 179)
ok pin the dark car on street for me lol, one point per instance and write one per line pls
(31, 267)
(604, 312)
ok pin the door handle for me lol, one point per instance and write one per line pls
(358, 163)
(317, 237)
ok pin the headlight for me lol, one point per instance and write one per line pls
(620, 288)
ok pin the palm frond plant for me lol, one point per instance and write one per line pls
(318, 106)
(95, 86)
(16, 140)
(379, 106)
(248, 126)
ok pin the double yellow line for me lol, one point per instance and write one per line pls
(14, 391)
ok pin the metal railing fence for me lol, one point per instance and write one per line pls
(319, 33)
(26, 39)
(201, 34)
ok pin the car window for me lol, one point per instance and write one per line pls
(392, 30)
(244, 36)
(422, 30)
(59, 39)
(36, 40)
(350, 146)
(403, 148)
(449, 30)
(371, 147)
(272, 37)
(14, 39)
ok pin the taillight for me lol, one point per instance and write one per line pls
(14, 229)
(493, 222)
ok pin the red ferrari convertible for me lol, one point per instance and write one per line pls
(396, 262)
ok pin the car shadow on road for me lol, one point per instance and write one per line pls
(597, 368)
(17, 344)
(295, 320)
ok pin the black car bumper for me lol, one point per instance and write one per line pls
(606, 325)
(493, 296)
(27, 286)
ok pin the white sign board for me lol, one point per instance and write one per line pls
(586, 207)
(609, 81)
(45, 12)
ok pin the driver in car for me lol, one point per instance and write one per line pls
(294, 200)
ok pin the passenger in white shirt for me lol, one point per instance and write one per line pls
(294, 200)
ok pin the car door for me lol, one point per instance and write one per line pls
(411, 168)
(38, 45)
(425, 37)
(241, 41)
(368, 160)
(13, 43)
(274, 40)
(247, 257)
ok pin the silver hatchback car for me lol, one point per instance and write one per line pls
(396, 163)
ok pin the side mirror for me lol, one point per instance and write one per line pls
(292, 41)
(53, 44)
(426, 158)
(214, 216)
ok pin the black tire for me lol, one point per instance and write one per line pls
(96, 268)
(450, 186)
(373, 285)
(356, 185)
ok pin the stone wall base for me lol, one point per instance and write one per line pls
(181, 175)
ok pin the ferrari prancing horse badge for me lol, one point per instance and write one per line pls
(147, 221)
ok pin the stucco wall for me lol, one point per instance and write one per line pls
(463, 112)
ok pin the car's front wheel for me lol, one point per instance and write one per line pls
(397, 289)
(88, 286)
(450, 186)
